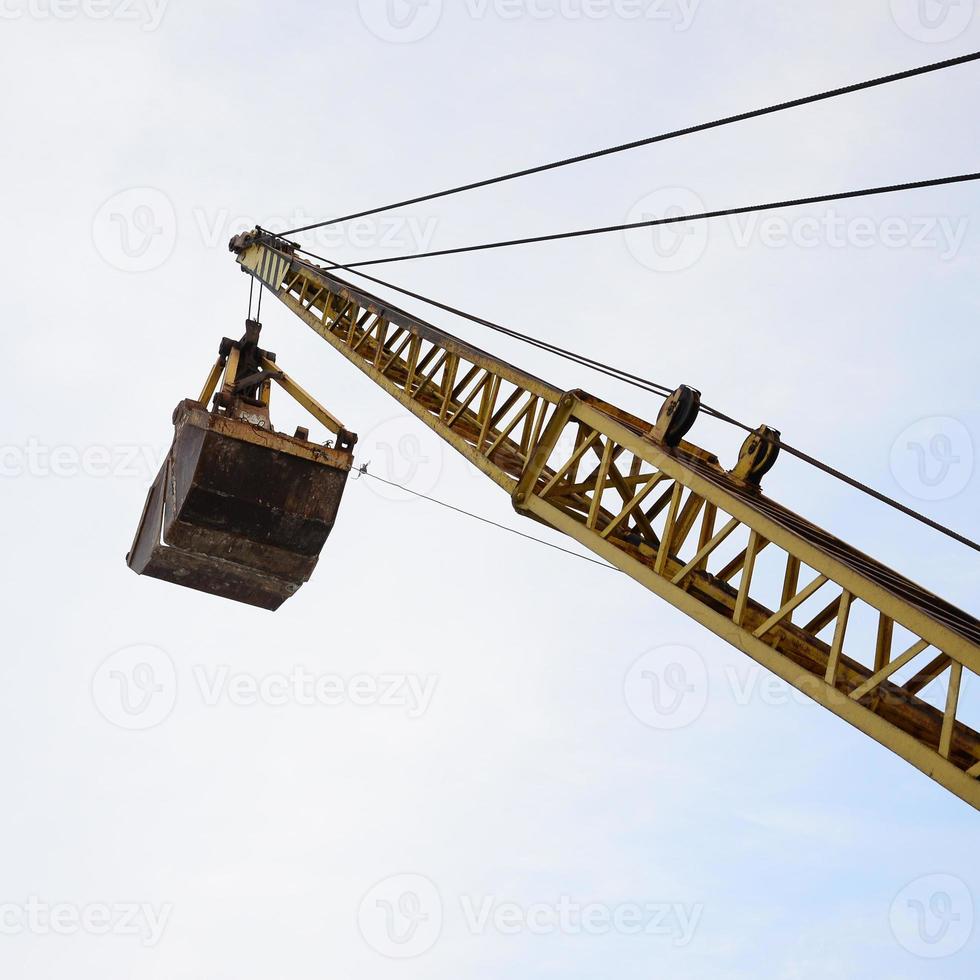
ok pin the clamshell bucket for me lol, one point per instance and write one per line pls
(239, 510)
(152, 556)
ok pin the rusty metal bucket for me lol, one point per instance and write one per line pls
(239, 511)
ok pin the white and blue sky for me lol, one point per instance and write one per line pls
(426, 765)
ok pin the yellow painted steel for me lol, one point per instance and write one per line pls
(604, 478)
(302, 397)
(226, 370)
(211, 385)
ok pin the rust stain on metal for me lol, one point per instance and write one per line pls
(239, 511)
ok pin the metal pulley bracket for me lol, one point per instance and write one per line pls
(677, 417)
(758, 456)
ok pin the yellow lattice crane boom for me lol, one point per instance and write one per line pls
(665, 512)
